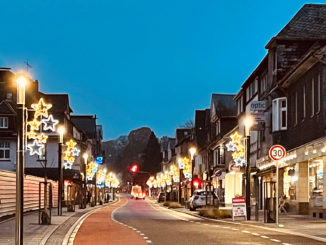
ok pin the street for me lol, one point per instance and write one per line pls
(157, 225)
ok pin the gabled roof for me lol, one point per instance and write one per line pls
(60, 102)
(224, 105)
(6, 108)
(308, 24)
(87, 123)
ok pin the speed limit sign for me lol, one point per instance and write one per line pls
(277, 152)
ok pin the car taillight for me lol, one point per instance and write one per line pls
(196, 197)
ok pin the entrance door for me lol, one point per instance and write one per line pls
(269, 202)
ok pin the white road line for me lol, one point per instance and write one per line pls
(255, 234)
(284, 243)
(235, 229)
(265, 237)
(145, 237)
(245, 231)
(275, 240)
(142, 234)
(148, 241)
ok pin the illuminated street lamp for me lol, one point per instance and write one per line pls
(21, 85)
(61, 130)
(192, 152)
(248, 122)
(181, 166)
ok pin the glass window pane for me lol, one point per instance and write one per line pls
(1, 154)
(7, 154)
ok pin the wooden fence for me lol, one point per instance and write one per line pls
(31, 193)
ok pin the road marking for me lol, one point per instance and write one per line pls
(275, 240)
(265, 237)
(145, 237)
(148, 241)
(245, 231)
(142, 234)
(255, 234)
(205, 224)
(235, 229)
(284, 243)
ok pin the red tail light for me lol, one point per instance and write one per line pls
(196, 197)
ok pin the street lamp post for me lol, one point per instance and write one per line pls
(181, 167)
(85, 156)
(192, 152)
(248, 122)
(61, 131)
(21, 84)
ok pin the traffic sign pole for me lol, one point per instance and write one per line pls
(276, 153)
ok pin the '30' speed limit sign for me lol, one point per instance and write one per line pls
(277, 152)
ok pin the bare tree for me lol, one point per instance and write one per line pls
(188, 124)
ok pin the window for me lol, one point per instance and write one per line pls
(312, 97)
(318, 94)
(9, 96)
(252, 89)
(3, 122)
(4, 150)
(218, 127)
(220, 155)
(263, 83)
(279, 114)
(240, 105)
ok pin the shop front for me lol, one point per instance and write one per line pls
(301, 180)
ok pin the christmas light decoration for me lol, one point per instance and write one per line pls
(35, 129)
(238, 149)
(70, 153)
(41, 108)
(50, 123)
(35, 148)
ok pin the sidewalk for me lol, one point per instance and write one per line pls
(293, 224)
(42, 234)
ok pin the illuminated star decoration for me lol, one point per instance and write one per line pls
(75, 152)
(238, 149)
(35, 148)
(34, 125)
(67, 165)
(41, 108)
(42, 138)
(231, 146)
(50, 123)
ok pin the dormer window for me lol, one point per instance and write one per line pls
(3, 122)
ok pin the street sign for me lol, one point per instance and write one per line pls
(239, 207)
(258, 106)
(277, 152)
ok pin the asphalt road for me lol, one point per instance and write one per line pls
(160, 226)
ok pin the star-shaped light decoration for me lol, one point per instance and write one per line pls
(41, 108)
(231, 146)
(71, 144)
(42, 138)
(75, 152)
(67, 165)
(240, 161)
(34, 125)
(236, 137)
(50, 123)
(35, 148)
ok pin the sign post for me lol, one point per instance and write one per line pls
(276, 153)
(239, 207)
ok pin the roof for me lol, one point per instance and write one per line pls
(224, 105)
(6, 108)
(87, 123)
(60, 102)
(309, 23)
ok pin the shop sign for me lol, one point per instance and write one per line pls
(239, 208)
(258, 106)
(258, 116)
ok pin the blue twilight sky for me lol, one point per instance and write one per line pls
(140, 62)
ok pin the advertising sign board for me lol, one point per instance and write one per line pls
(239, 207)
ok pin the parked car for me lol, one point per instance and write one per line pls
(198, 199)
(161, 197)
